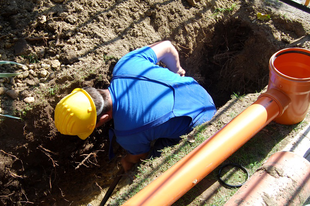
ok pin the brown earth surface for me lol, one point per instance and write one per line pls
(67, 44)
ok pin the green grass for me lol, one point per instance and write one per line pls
(7, 75)
(227, 9)
(53, 90)
(32, 58)
(238, 95)
(108, 58)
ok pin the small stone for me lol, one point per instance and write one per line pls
(21, 84)
(20, 76)
(45, 66)
(42, 19)
(25, 74)
(55, 64)
(52, 75)
(31, 82)
(43, 73)
(12, 93)
(31, 66)
(3, 90)
(18, 81)
(33, 73)
(24, 67)
(29, 99)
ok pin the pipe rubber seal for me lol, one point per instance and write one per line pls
(219, 176)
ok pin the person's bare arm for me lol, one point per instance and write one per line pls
(129, 160)
(168, 54)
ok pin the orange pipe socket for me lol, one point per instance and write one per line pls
(286, 101)
(290, 72)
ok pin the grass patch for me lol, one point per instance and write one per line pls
(227, 9)
(32, 58)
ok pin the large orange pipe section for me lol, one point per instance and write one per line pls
(180, 178)
(286, 100)
(284, 179)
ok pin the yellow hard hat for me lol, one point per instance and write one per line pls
(75, 114)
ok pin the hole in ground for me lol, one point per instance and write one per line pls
(232, 60)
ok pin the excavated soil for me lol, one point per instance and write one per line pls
(67, 44)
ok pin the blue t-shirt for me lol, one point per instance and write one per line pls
(144, 106)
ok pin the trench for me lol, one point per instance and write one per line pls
(222, 63)
(232, 61)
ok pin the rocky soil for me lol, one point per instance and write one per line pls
(65, 44)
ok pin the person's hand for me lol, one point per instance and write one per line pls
(181, 72)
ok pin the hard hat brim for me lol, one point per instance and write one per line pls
(84, 136)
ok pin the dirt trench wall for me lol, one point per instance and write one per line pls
(67, 44)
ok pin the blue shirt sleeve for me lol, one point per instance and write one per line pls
(131, 63)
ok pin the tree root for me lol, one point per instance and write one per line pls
(87, 159)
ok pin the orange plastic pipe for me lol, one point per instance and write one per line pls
(185, 174)
(286, 101)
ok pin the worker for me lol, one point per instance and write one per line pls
(147, 102)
